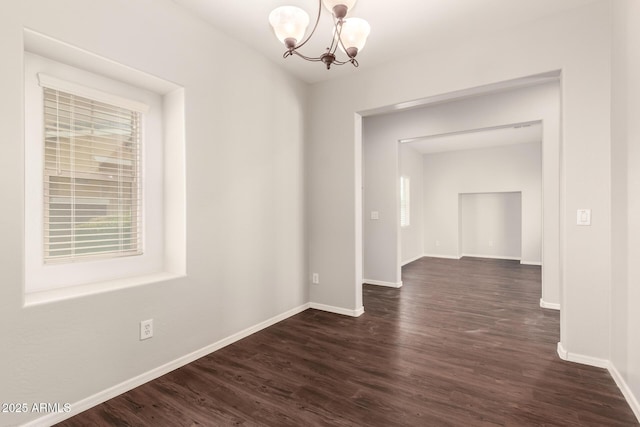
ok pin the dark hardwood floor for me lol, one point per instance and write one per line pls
(463, 343)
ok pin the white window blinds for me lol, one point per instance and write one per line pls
(405, 201)
(92, 179)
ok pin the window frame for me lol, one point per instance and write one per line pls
(40, 277)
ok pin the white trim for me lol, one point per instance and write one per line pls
(490, 257)
(132, 383)
(562, 353)
(626, 390)
(581, 358)
(405, 201)
(61, 294)
(45, 80)
(337, 310)
(381, 283)
(468, 131)
(358, 208)
(410, 260)
(538, 263)
(549, 305)
(587, 360)
(441, 256)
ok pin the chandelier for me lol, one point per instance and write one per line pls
(350, 34)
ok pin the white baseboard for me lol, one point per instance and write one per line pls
(626, 390)
(337, 310)
(118, 389)
(588, 360)
(581, 358)
(441, 256)
(510, 258)
(409, 261)
(562, 353)
(549, 305)
(536, 263)
(381, 283)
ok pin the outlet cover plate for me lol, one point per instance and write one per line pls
(146, 329)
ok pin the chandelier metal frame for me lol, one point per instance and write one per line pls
(329, 57)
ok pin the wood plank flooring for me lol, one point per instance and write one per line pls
(463, 343)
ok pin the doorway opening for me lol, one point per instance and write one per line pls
(436, 225)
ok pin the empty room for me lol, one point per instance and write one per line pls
(331, 212)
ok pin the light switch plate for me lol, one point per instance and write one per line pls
(375, 215)
(584, 217)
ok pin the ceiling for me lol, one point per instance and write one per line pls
(398, 28)
(520, 133)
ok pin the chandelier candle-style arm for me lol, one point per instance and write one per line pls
(290, 24)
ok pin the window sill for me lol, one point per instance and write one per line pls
(55, 295)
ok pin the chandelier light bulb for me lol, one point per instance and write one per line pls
(289, 24)
(354, 35)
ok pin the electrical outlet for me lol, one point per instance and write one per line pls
(315, 278)
(146, 329)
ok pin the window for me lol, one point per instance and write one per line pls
(104, 174)
(405, 201)
(92, 193)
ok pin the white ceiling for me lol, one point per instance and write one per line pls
(478, 138)
(398, 28)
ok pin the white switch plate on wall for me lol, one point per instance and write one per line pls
(375, 215)
(584, 217)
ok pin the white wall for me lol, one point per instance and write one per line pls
(509, 168)
(245, 212)
(384, 161)
(625, 158)
(491, 225)
(380, 194)
(577, 42)
(411, 237)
